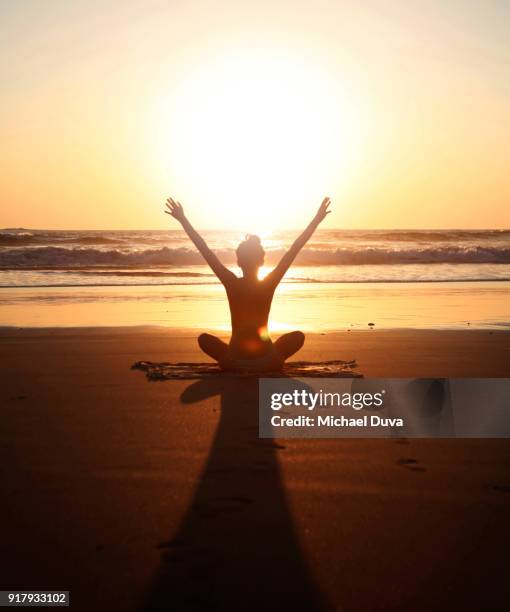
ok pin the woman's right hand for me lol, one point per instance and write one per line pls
(175, 209)
(323, 210)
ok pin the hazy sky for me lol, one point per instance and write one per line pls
(250, 112)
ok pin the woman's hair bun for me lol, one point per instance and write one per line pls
(250, 251)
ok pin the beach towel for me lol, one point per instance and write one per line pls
(292, 369)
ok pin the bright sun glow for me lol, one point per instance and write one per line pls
(257, 138)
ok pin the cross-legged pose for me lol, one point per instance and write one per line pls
(250, 347)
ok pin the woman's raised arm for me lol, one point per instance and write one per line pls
(276, 275)
(176, 211)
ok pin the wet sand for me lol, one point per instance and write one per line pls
(160, 496)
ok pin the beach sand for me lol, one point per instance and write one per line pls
(160, 495)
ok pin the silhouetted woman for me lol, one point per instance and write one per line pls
(249, 298)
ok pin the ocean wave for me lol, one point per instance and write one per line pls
(70, 257)
(367, 281)
(26, 238)
(60, 257)
(140, 273)
(415, 255)
(94, 240)
(17, 239)
(425, 235)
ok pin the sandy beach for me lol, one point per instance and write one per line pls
(160, 496)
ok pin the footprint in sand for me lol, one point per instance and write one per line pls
(410, 464)
(401, 441)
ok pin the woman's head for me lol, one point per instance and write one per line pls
(250, 254)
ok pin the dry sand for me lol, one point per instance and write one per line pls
(138, 495)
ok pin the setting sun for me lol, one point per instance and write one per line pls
(256, 137)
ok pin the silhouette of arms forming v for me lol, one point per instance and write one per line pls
(176, 211)
(276, 275)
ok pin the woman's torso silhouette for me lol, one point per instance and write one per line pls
(250, 304)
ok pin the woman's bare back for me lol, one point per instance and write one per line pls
(250, 304)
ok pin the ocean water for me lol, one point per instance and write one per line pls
(341, 279)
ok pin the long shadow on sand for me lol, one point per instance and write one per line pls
(236, 548)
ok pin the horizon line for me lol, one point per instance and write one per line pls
(286, 229)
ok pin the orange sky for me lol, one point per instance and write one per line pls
(250, 112)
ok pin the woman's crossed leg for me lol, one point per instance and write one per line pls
(286, 346)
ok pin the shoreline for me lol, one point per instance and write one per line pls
(286, 281)
(309, 307)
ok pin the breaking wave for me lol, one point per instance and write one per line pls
(61, 257)
(26, 239)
